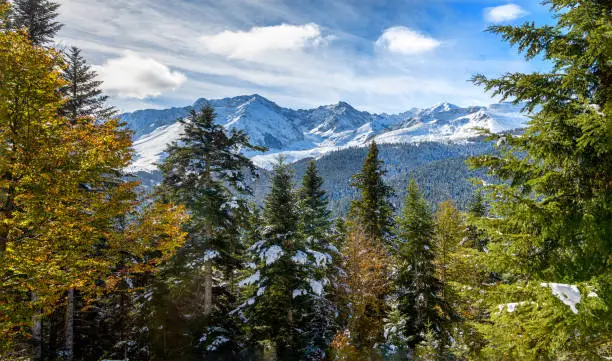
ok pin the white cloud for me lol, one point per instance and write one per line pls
(136, 76)
(259, 40)
(295, 70)
(400, 39)
(503, 13)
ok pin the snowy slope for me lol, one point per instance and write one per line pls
(300, 134)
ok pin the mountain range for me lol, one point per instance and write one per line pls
(306, 133)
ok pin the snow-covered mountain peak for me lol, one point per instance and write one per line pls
(313, 132)
(441, 107)
(337, 117)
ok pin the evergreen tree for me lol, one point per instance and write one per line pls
(205, 172)
(368, 227)
(37, 17)
(84, 97)
(284, 284)
(449, 232)
(474, 236)
(429, 348)
(417, 289)
(315, 225)
(552, 213)
(373, 210)
(314, 212)
(476, 206)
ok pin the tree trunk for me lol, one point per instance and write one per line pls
(270, 354)
(37, 337)
(208, 288)
(69, 335)
(6, 213)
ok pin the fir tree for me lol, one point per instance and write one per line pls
(37, 17)
(314, 212)
(417, 289)
(429, 348)
(84, 97)
(315, 226)
(205, 171)
(552, 213)
(449, 232)
(372, 210)
(281, 289)
(368, 227)
(474, 236)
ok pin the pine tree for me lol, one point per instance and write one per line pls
(417, 289)
(551, 215)
(282, 286)
(84, 97)
(368, 227)
(37, 17)
(205, 172)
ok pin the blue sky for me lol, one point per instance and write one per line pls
(378, 55)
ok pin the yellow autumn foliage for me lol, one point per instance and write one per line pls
(67, 220)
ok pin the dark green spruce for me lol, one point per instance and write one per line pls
(372, 210)
(551, 217)
(84, 96)
(416, 287)
(315, 225)
(37, 18)
(205, 172)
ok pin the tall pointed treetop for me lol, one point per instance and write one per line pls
(37, 17)
(313, 201)
(84, 97)
(372, 210)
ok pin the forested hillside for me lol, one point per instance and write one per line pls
(439, 169)
(380, 253)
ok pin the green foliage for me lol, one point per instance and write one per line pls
(315, 225)
(429, 348)
(372, 210)
(279, 296)
(552, 214)
(314, 211)
(37, 18)
(417, 288)
(83, 95)
(205, 172)
(369, 225)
